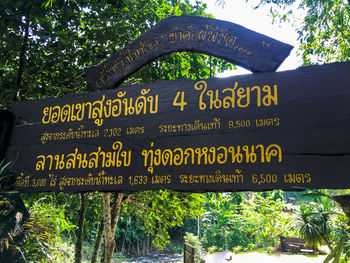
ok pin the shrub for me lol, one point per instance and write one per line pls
(43, 242)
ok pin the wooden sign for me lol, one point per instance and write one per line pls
(221, 39)
(251, 132)
(6, 122)
(189, 252)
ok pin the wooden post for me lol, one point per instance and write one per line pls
(188, 253)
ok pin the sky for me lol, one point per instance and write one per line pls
(259, 20)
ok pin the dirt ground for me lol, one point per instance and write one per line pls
(252, 257)
(255, 257)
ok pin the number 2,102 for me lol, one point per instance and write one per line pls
(112, 132)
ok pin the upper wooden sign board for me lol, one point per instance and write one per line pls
(229, 41)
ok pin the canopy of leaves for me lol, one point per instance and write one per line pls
(45, 45)
(325, 31)
(161, 210)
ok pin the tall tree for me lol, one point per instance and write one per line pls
(80, 229)
(111, 215)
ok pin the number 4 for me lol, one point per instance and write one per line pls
(180, 103)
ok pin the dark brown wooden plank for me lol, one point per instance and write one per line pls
(6, 122)
(221, 39)
(297, 136)
(188, 253)
(190, 249)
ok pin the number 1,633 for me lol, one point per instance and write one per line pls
(137, 179)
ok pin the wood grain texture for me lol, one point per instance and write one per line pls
(6, 123)
(205, 135)
(222, 39)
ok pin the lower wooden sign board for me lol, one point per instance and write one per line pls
(251, 132)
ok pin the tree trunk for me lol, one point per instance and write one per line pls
(80, 229)
(344, 201)
(98, 243)
(111, 217)
(103, 252)
(327, 243)
(109, 238)
(198, 227)
(123, 243)
(21, 59)
(144, 246)
(148, 243)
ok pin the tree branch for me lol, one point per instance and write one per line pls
(80, 229)
(21, 59)
(116, 210)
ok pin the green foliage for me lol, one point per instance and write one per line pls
(64, 37)
(270, 250)
(175, 247)
(70, 205)
(11, 216)
(161, 210)
(250, 221)
(218, 221)
(325, 32)
(323, 222)
(237, 249)
(7, 178)
(309, 230)
(263, 218)
(43, 242)
(213, 249)
(129, 231)
(9, 229)
(298, 197)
